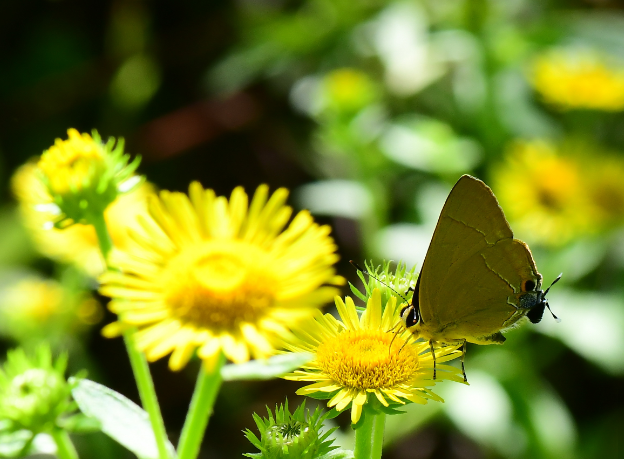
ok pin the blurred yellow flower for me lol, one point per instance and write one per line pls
(34, 308)
(219, 276)
(605, 189)
(76, 244)
(579, 79)
(554, 194)
(73, 163)
(357, 358)
(348, 90)
(83, 175)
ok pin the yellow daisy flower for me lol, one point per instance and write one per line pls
(76, 244)
(543, 193)
(83, 175)
(573, 79)
(357, 358)
(219, 276)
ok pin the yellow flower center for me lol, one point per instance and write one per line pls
(219, 284)
(72, 163)
(363, 359)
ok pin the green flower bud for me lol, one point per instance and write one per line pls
(287, 435)
(399, 283)
(33, 390)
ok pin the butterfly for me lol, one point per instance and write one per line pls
(476, 280)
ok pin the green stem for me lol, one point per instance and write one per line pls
(64, 446)
(23, 452)
(204, 396)
(369, 436)
(145, 384)
(140, 368)
(104, 239)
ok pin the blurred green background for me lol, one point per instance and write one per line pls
(369, 112)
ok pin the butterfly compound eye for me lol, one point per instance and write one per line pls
(528, 286)
(409, 314)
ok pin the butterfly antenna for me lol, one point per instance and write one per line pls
(557, 319)
(362, 270)
(553, 283)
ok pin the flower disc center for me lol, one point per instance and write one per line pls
(219, 284)
(363, 359)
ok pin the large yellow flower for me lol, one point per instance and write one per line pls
(76, 244)
(213, 275)
(357, 358)
(572, 79)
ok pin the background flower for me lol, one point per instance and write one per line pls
(34, 309)
(579, 79)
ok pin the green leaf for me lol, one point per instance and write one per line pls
(338, 454)
(120, 418)
(273, 367)
(356, 292)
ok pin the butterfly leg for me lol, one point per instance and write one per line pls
(433, 357)
(462, 361)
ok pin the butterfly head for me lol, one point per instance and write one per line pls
(535, 300)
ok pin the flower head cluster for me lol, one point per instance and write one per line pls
(213, 275)
(76, 244)
(83, 175)
(359, 362)
(33, 391)
(556, 193)
(285, 435)
(579, 79)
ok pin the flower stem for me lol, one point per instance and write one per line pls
(64, 446)
(204, 396)
(140, 368)
(369, 436)
(104, 239)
